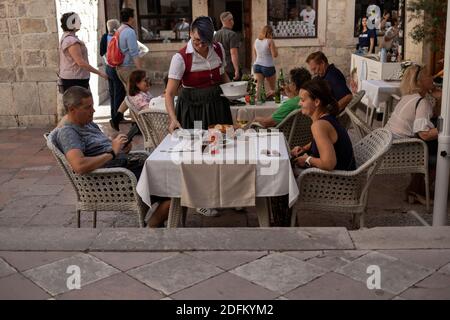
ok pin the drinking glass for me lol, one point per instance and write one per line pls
(242, 117)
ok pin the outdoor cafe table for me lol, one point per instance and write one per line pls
(378, 92)
(161, 175)
(263, 110)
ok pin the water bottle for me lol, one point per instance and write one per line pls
(383, 55)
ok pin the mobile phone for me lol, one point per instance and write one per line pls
(133, 131)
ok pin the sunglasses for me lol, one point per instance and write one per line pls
(416, 77)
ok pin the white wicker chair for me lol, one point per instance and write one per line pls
(105, 189)
(157, 122)
(352, 105)
(301, 131)
(296, 128)
(149, 144)
(409, 155)
(344, 191)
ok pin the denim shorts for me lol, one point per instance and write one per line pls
(266, 71)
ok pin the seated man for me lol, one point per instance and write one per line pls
(87, 148)
(298, 77)
(318, 65)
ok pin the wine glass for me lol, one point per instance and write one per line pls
(242, 117)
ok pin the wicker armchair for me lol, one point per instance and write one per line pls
(157, 123)
(149, 144)
(296, 127)
(409, 155)
(301, 131)
(344, 191)
(352, 105)
(106, 189)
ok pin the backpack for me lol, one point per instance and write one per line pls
(114, 56)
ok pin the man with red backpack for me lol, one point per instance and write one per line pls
(123, 52)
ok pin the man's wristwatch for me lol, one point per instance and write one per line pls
(307, 162)
(113, 154)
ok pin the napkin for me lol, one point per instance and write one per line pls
(218, 185)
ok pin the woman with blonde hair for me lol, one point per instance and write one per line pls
(413, 117)
(265, 51)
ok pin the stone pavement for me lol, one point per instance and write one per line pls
(225, 263)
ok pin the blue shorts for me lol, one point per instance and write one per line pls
(266, 71)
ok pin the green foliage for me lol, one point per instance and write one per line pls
(431, 30)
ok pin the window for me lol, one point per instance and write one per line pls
(293, 18)
(381, 16)
(361, 6)
(164, 20)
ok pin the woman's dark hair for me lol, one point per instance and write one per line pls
(135, 77)
(126, 14)
(205, 28)
(64, 19)
(319, 89)
(299, 76)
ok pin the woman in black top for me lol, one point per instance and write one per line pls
(331, 148)
(367, 38)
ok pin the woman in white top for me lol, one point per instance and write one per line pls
(412, 117)
(265, 51)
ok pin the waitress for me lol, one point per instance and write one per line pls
(200, 67)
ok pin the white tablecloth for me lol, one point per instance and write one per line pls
(379, 91)
(264, 110)
(161, 174)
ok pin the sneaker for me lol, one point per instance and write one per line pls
(208, 212)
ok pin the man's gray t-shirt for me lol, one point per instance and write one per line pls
(89, 139)
(229, 39)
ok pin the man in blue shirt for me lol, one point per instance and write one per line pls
(128, 45)
(319, 66)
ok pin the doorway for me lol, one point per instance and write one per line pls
(241, 11)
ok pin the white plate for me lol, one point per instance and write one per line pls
(226, 142)
(233, 97)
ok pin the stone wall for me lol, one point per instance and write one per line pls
(28, 63)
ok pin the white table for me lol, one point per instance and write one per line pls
(161, 175)
(379, 92)
(263, 110)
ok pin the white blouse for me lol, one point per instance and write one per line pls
(199, 63)
(406, 121)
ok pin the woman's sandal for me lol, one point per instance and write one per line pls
(415, 197)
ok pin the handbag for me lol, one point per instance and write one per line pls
(60, 84)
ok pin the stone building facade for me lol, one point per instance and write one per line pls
(30, 32)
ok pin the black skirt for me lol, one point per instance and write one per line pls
(205, 105)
